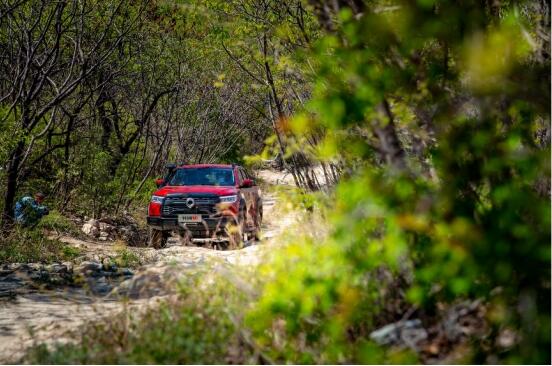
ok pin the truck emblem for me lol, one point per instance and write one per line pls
(190, 202)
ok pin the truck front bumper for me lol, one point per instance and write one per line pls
(208, 227)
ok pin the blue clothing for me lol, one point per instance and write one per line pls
(28, 211)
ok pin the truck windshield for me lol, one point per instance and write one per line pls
(203, 177)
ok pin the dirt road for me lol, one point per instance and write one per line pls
(47, 316)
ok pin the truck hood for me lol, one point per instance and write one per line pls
(218, 190)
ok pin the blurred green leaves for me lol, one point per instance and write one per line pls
(472, 224)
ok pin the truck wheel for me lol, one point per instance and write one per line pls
(260, 213)
(235, 233)
(158, 238)
(258, 220)
(185, 237)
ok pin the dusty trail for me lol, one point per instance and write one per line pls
(49, 315)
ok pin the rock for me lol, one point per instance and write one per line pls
(41, 276)
(106, 231)
(463, 320)
(126, 272)
(409, 333)
(9, 285)
(5, 272)
(12, 266)
(107, 265)
(56, 268)
(100, 286)
(133, 235)
(111, 228)
(155, 281)
(32, 267)
(507, 338)
(10, 295)
(69, 266)
(59, 279)
(88, 267)
(100, 273)
(91, 228)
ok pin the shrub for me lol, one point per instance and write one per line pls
(55, 221)
(24, 245)
(125, 257)
(200, 326)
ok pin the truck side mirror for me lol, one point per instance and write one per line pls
(159, 182)
(247, 183)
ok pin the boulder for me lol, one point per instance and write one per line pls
(88, 267)
(57, 268)
(108, 229)
(131, 235)
(104, 227)
(126, 272)
(68, 265)
(407, 333)
(100, 286)
(91, 228)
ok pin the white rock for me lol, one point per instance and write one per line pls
(68, 265)
(407, 333)
(106, 227)
(91, 228)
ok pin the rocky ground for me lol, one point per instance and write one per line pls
(43, 303)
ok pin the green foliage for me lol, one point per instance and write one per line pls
(320, 293)
(70, 252)
(479, 227)
(125, 257)
(30, 245)
(55, 221)
(198, 327)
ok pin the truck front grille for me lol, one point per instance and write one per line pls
(202, 205)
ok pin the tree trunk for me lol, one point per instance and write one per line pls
(389, 143)
(11, 186)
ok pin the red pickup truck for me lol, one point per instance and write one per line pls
(205, 203)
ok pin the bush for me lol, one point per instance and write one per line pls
(55, 221)
(201, 326)
(24, 245)
(125, 257)
(473, 225)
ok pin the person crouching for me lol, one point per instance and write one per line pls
(29, 210)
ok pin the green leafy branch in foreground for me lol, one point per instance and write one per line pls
(475, 224)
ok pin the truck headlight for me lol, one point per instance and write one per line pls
(157, 199)
(228, 199)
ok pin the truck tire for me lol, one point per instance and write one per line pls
(235, 232)
(258, 222)
(158, 238)
(185, 238)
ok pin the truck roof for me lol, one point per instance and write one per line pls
(205, 166)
